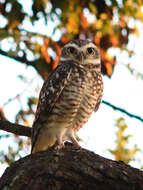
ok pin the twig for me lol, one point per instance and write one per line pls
(123, 111)
(26, 131)
(18, 95)
(22, 59)
(15, 128)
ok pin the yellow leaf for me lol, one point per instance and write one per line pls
(108, 56)
(136, 31)
(37, 47)
(103, 16)
(92, 8)
(123, 143)
(99, 24)
(139, 14)
(73, 23)
(128, 3)
(26, 123)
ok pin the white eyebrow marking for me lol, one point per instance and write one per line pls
(88, 45)
(71, 45)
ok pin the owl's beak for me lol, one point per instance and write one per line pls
(80, 57)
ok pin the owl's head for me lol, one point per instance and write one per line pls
(81, 52)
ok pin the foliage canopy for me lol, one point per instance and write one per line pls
(105, 22)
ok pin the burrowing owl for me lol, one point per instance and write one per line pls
(69, 96)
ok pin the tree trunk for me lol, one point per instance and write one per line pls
(70, 170)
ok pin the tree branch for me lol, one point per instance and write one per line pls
(122, 110)
(35, 63)
(72, 170)
(15, 128)
(23, 59)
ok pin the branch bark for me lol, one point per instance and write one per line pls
(23, 59)
(15, 128)
(16, 58)
(71, 170)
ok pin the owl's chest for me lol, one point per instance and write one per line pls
(81, 89)
(77, 100)
(85, 85)
(89, 92)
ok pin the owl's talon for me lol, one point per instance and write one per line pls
(77, 147)
(58, 147)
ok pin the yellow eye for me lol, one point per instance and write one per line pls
(71, 50)
(91, 51)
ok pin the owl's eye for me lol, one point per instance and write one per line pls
(91, 51)
(71, 50)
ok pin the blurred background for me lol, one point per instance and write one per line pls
(32, 33)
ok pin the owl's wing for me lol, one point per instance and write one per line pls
(100, 97)
(97, 106)
(49, 94)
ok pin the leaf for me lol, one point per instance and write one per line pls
(121, 152)
(99, 24)
(92, 8)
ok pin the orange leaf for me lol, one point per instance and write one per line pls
(84, 22)
(109, 68)
(114, 41)
(55, 64)
(64, 39)
(45, 53)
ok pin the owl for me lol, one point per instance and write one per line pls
(68, 97)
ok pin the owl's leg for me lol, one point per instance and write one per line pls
(70, 134)
(75, 142)
(59, 144)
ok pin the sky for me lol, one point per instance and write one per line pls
(123, 90)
